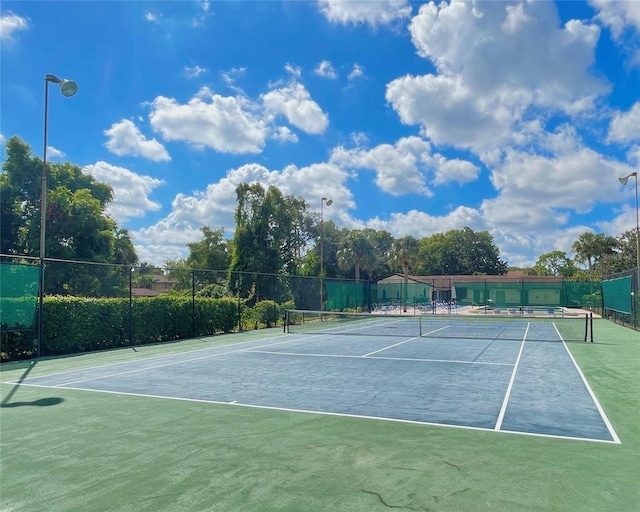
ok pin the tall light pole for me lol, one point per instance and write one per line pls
(68, 88)
(624, 182)
(329, 202)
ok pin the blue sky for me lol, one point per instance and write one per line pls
(511, 117)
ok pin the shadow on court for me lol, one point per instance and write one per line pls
(43, 402)
(29, 368)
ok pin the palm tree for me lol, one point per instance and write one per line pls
(404, 251)
(590, 247)
(358, 251)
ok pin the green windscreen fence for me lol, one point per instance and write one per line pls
(521, 292)
(617, 294)
(347, 295)
(409, 293)
(18, 296)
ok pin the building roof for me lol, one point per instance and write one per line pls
(144, 292)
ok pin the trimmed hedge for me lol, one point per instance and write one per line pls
(79, 324)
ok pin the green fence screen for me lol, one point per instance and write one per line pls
(18, 295)
(521, 292)
(410, 293)
(617, 294)
(347, 295)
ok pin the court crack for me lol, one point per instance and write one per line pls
(438, 498)
(388, 505)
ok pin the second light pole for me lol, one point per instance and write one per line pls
(329, 202)
(624, 182)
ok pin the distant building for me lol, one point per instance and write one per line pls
(159, 285)
(513, 288)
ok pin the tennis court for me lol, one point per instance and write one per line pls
(510, 376)
(215, 424)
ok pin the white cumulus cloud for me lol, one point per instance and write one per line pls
(497, 64)
(54, 153)
(284, 134)
(625, 126)
(356, 72)
(130, 190)
(125, 139)
(407, 166)
(294, 102)
(153, 16)
(194, 71)
(326, 70)
(619, 16)
(228, 124)
(10, 23)
(369, 12)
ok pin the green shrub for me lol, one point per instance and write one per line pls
(16, 345)
(248, 318)
(267, 312)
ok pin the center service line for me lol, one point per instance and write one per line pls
(503, 410)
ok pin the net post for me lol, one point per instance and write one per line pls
(285, 321)
(591, 318)
(586, 326)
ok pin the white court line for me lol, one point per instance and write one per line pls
(370, 323)
(338, 356)
(150, 358)
(173, 363)
(324, 413)
(436, 330)
(391, 346)
(503, 409)
(614, 436)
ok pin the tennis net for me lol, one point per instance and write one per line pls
(575, 328)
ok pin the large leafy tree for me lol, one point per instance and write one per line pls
(179, 271)
(210, 253)
(624, 258)
(271, 232)
(555, 263)
(460, 252)
(210, 257)
(77, 226)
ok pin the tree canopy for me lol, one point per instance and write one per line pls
(555, 263)
(77, 226)
(460, 252)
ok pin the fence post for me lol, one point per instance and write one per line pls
(193, 303)
(131, 306)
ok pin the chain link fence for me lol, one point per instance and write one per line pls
(131, 297)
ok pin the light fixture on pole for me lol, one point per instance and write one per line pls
(329, 202)
(68, 88)
(624, 181)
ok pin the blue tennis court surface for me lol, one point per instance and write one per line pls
(527, 387)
